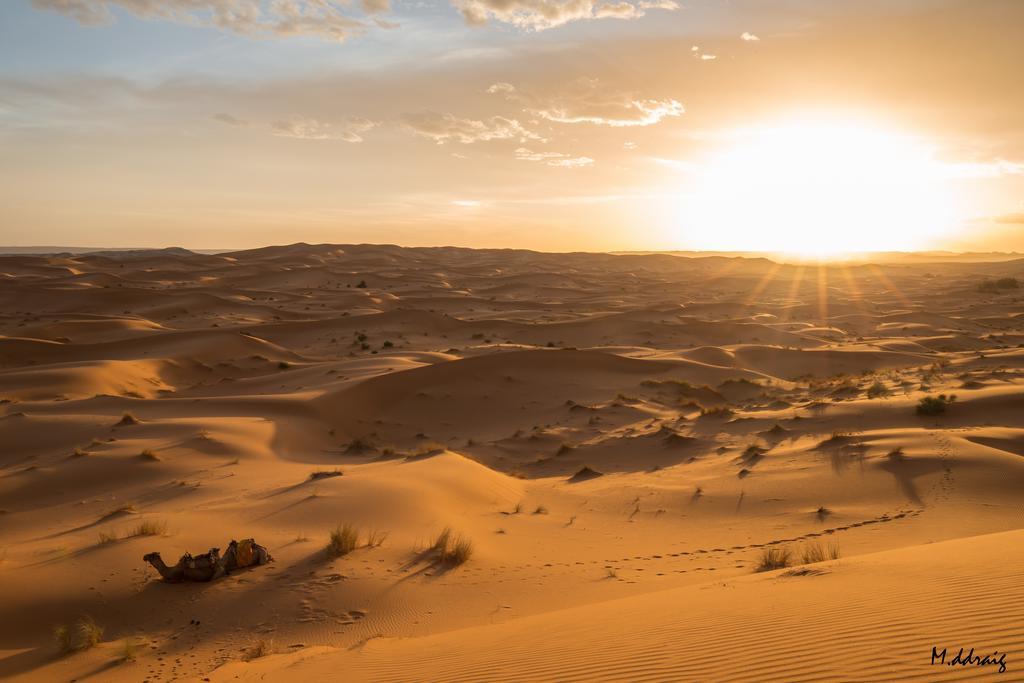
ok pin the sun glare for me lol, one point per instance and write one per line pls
(818, 189)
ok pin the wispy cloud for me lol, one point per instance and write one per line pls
(587, 100)
(229, 120)
(443, 128)
(538, 15)
(317, 18)
(553, 158)
(311, 129)
(749, 37)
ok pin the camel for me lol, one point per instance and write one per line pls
(205, 567)
(211, 564)
(244, 553)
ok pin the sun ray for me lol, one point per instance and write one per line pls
(762, 284)
(823, 292)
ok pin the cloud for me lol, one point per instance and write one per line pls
(996, 168)
(538, 15)
(749, 37)
(229, 120)
(376, 6)
(618, 10)
(553, 158)
(322, 19)
(311, 129)
(1011, 219)
(442, 128)
(587, 100)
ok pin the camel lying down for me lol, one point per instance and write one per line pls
(211, 564)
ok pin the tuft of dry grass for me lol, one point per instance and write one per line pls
(773, 558)
(62, 639)
(452, 549)
(84, 634)
(375, 538)
(150, 527)
(106, 538)
(344, 540)
(261, 648)
(149, 455)
(324, 474)
(129, 649)
(816, 552)
(540, 510)
(128, 419)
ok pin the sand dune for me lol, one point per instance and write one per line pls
(619, 438)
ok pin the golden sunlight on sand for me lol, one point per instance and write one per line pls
(477, 465)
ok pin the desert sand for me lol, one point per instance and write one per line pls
(619, 438)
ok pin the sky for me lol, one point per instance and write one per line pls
(797, 126)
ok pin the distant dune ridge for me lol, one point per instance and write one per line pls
(534, 466)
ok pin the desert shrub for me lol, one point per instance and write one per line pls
(129, 649)
(344, 540)
(816, 552)
(128, 419)
(934, 405)
(375, 538)
(84, 634)
(359, 445)
(990, 286)
(106, 538)
(261, 648)
(773, 558)
(452, 549)
(324, 474)
(877, 390)
(540, 510)
(718, 411)
(283, 365)
(460, 552)
(150, 527)
(149, 455)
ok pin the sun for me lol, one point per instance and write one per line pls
(818, 187)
